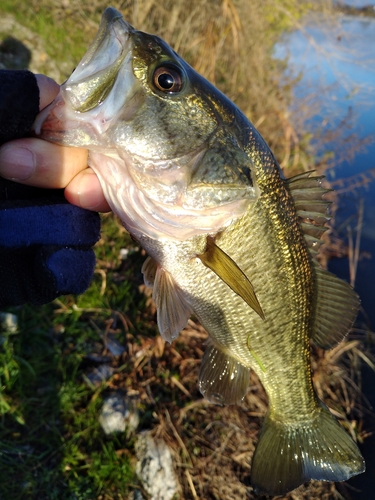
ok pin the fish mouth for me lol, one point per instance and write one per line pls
(97, 89)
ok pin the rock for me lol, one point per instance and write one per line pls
(136, 495)
(155, 468)
(25, 42)
(8, 323)
(119, 413)
(14, 54)
(98, 375)
(113, 345)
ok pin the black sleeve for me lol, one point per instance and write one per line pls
(19, 103)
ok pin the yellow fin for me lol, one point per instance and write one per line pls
(221, 264)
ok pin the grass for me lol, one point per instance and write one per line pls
(65, 43)
(51, 444)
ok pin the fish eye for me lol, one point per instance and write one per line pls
(169, 79)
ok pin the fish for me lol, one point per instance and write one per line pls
(228, 238)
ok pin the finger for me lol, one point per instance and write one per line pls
(85, 191)
(40, 163)
(48, 90)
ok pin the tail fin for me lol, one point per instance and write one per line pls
(288, 455)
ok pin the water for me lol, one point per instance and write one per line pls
(337, 63)
(338, 66)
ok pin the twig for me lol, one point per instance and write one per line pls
(191, 406)
(180, 386)
(178, 437)
(191, 484)
(353, 250)
(104, 280)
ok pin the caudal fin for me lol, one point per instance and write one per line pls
(287, 455)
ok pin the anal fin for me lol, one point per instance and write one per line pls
(222, 379)
(336, 309)
(173, 311)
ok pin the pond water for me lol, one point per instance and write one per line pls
(336, 60)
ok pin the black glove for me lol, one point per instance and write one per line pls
(45, 243)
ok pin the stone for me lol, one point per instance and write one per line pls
(119, 413)
(155, 468)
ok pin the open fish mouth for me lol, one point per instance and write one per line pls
(99, 86)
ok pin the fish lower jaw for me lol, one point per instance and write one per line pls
(56, 124)
(67, 136)
(145, 217)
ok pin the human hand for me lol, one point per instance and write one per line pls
(45, 242)
(42, 164)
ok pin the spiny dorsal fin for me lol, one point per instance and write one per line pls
(222, 379)
(336, 309)
(337, 302)
(221, 264)
(173, 311)
(307, 194)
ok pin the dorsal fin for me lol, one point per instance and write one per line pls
(336, 309)
(337, 303)
(224, 266)
(307, 193)
(173, 311)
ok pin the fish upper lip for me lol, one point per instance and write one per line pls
(112, 20)
(111, 43)
(111, 14)
(105, 55)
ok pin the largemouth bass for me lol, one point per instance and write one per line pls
(229, 240)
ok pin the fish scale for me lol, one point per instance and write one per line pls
(285, 318)
(229, 240)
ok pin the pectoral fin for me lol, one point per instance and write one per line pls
(173, 311)
(221, 264)
(148, 270)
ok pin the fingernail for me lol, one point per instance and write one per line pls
(89, 197)
(16, 164)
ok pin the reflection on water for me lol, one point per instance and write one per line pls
(336, 59)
